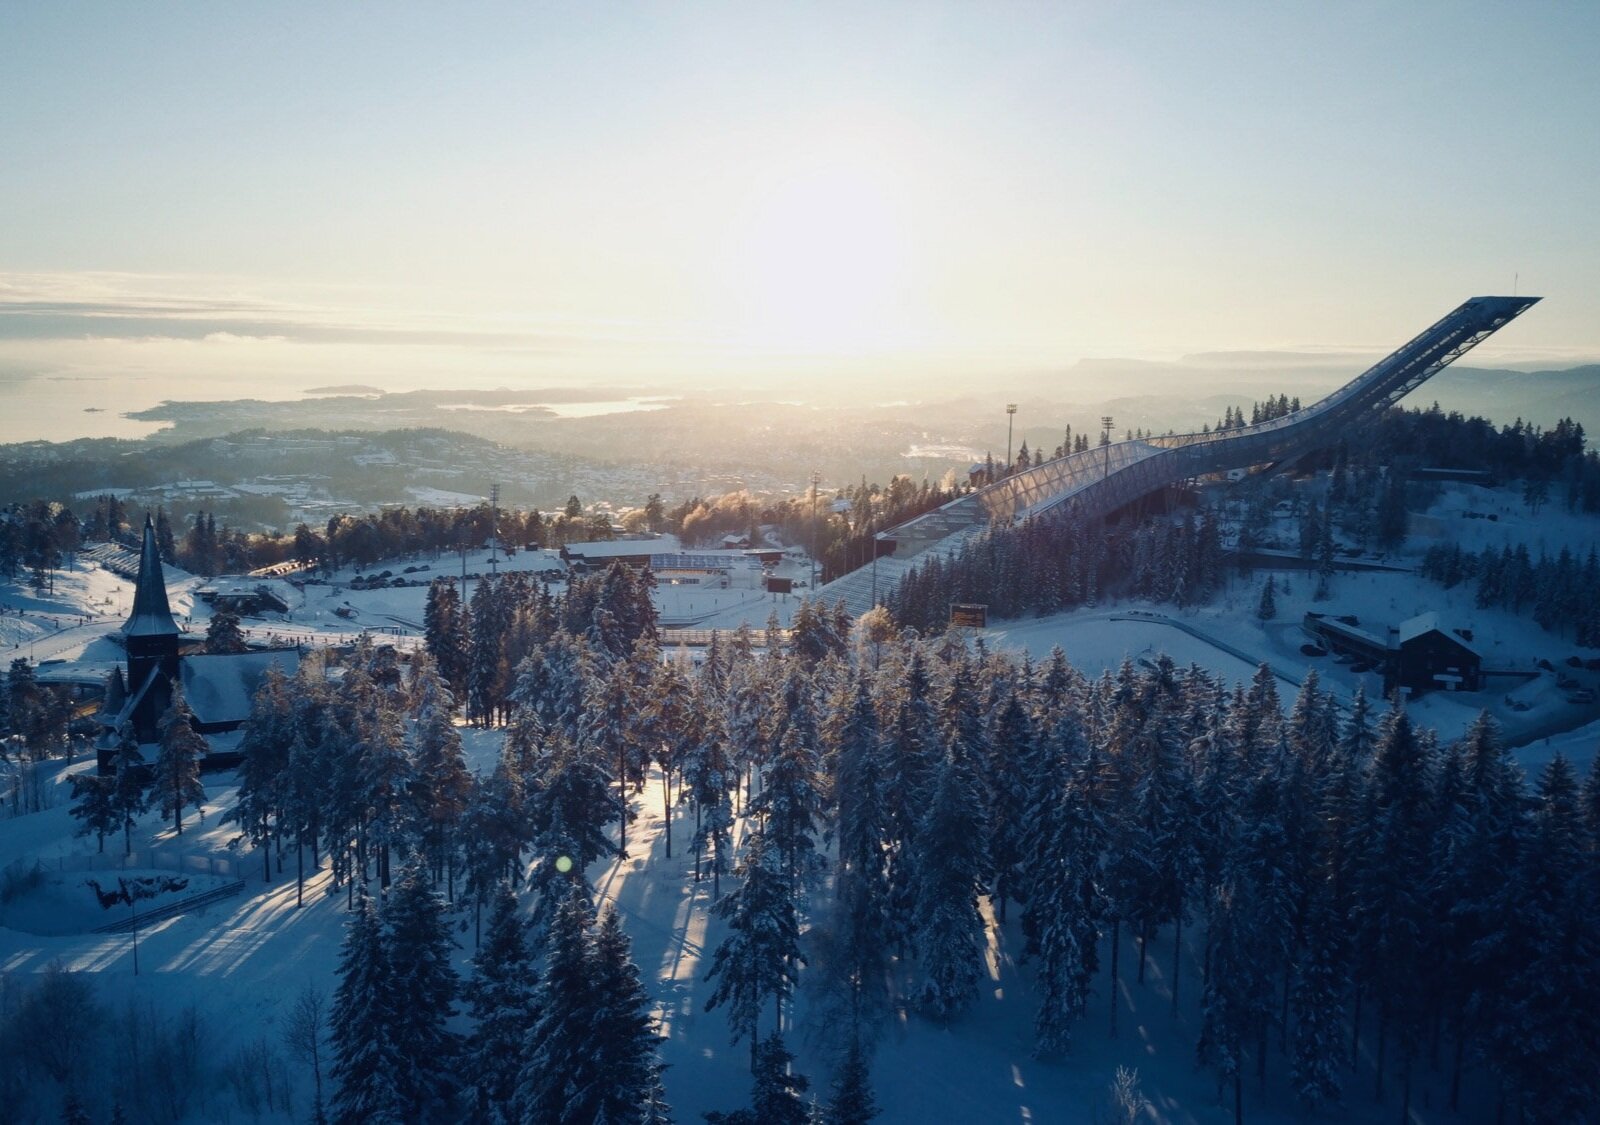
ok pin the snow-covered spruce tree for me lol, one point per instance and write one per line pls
(129, 792)
(611, 722)
(1011, 754)
(487, 671)
(1068, 903)
(94, 802)
(500, 996)
(861, 887)
(1546, 1027)
(949, 864)
(263, 772)
(555, 1085)
(591, 1054)
(1058, 748)
(851, 1102)
(758, 959)
(442, 630)
(1161, 855)
(911, 753)
(778, 1096)
(1238, 995)
(1267, 607)
(669, 722)
(223, 634)
(439, 784)
(568, 809)
(366, 1062)
(177, 769)
(492, 837)
(708, 777)
(422, 989)
(789, 807)
(625, 1051)
(383, 776)
(1481, 808)
(1389, 907)
(1318, 1059)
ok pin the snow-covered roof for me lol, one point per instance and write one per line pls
(220, 687)
(620, 548)
(1412, 628)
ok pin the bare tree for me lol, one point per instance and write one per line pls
(305, 1032)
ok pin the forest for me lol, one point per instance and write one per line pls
(865, 804)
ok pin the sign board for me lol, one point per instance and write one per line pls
(776, 585)
(969, 615)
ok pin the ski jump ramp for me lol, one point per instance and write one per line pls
(1096, 482)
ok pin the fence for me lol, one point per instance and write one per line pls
(181, 863)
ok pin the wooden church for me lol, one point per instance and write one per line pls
(219, 687)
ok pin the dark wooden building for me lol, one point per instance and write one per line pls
(219, 688)
(1417, 654)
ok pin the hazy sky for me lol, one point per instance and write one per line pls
(290, 191)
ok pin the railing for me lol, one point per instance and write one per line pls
(171, 909)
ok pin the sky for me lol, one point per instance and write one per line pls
(275, 195)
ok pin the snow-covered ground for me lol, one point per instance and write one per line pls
(242, 960)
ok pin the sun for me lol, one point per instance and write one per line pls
(822, 255)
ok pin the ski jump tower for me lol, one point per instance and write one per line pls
(1096, 482)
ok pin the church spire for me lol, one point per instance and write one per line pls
(151, 616)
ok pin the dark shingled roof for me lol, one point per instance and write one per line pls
(151, 616)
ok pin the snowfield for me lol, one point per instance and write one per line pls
(240, 961)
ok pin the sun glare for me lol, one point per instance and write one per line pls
(821, 258)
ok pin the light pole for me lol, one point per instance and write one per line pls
(494, 530)
(1105, 439)
(1011, 416)
(875, 570)
(816, 479)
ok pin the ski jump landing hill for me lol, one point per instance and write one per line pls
(1096, 482)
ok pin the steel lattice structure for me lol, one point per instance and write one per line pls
(1096, 482)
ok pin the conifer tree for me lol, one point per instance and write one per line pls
(1543, 1041)
(223, 634)
(758, 960)
(130, 791)
(500, 996)
(950, 862)
(367, 1063)
(439, 785)
(177, 769)
(94, 802)
(790, 807)
(852, 1102)
(625, 1048)
(567, 811)
(559, 1082)
(778, 1095)
(444, 633)
(422, 988)
(265, 749)
(1389, 912)
(862, 890)
(1267, 608)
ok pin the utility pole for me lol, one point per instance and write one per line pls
(1105, 439)
(816, 479)
(875, 570)
(494, 530)
(1011, 417)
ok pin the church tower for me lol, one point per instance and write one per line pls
(152, 640)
